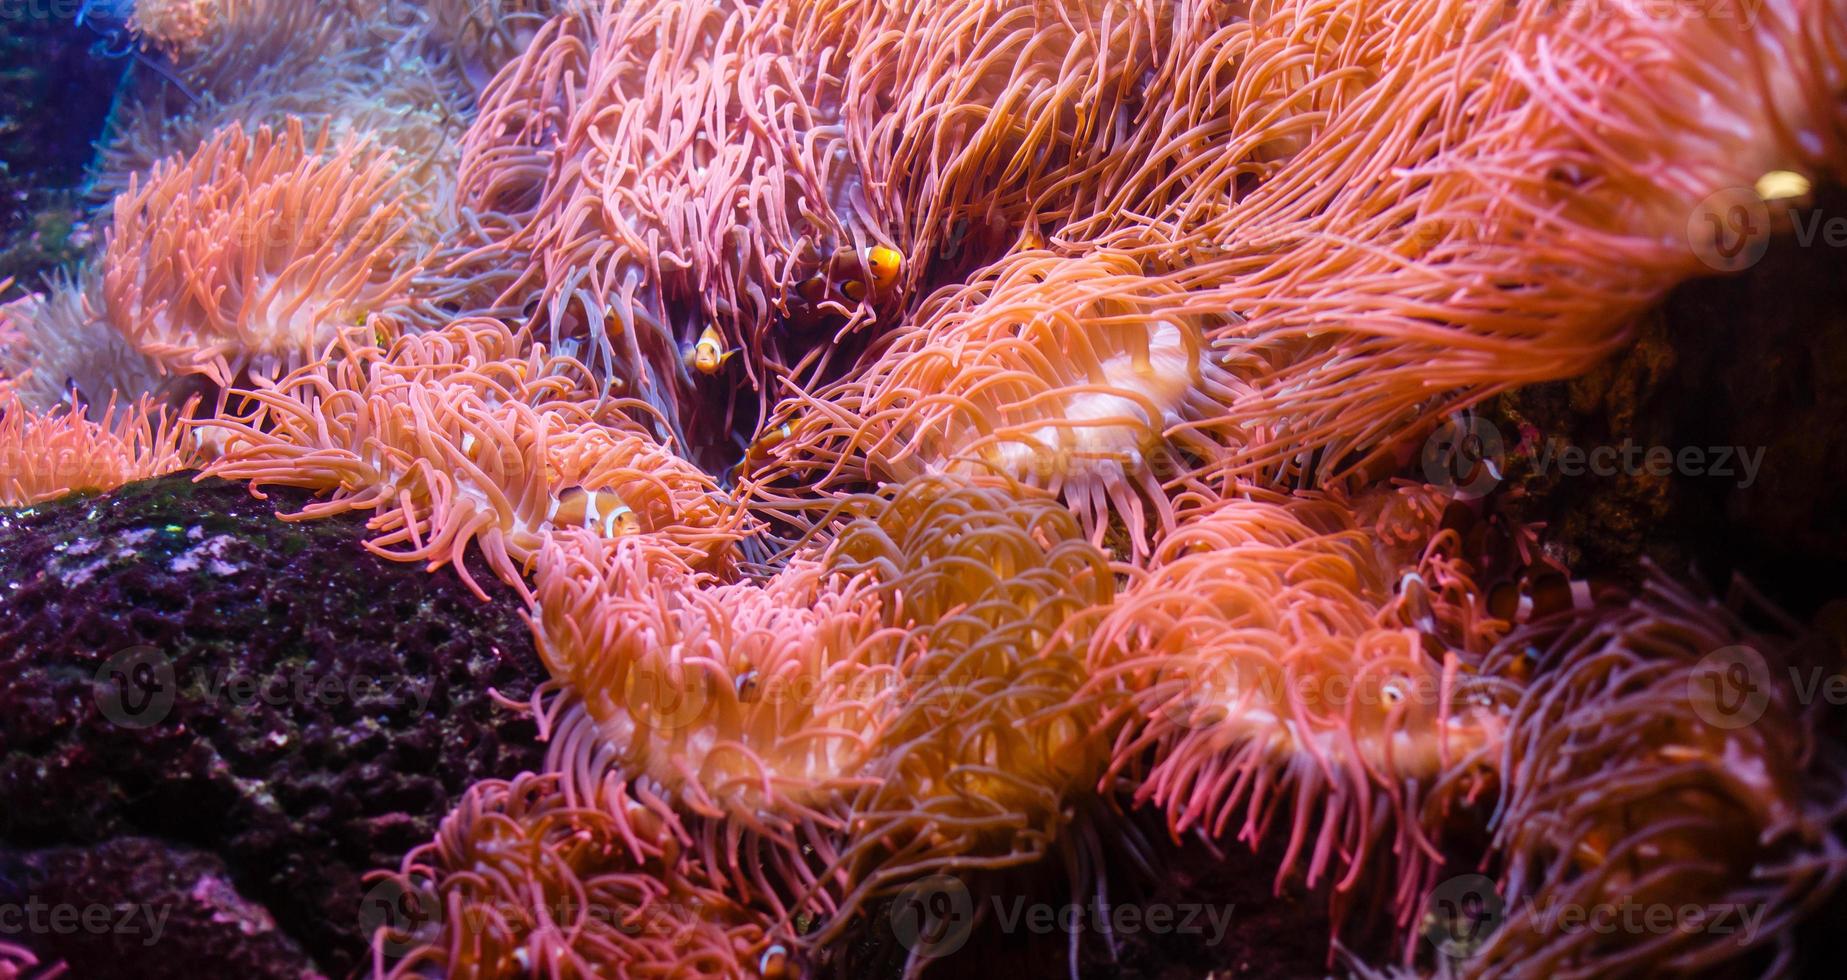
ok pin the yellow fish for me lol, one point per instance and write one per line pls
(880, 263)
(709, 355)
(886, 265)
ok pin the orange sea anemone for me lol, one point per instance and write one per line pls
(1280, 661)
(521, 882)
(907, 703)
(252, 254)
(175, 26)
(456, 437)
(48, 455)
(1659, 759)
(758, 702)
(1078, 375)
(993, 747)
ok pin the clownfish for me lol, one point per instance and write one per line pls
(758, 452)
(709, 355)
(882, 264)
(594, 509)
(886, 265)
(770, 439)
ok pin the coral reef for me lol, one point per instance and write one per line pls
(941, 455)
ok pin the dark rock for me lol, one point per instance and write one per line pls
(141, 907)
(176, 662)
(1753, 363)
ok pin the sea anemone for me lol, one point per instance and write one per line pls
(483, 35)
(977, 126)
(58, 348)
(1063, 340)
(1413, 256)
(638, 242)
(521, 881)
(50, 454)
(401, 102)
(178, 26)
(254, 252)
(456, 437)
(759, 702)
(761, 219)
(993, 748)
(212, 45)
(1659, 759)
(905, 704)
(1281, 660)
(1078, 375)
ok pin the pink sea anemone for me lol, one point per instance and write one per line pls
(455, 438)
(1495, 192)
(251, 254)
(1285, 668)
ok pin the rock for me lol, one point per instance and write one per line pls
(177, 663)
(171, 911)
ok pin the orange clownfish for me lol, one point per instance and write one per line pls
(709, 355)
(886, 265)
(882, 264)
(758, 452)
(594, 509)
